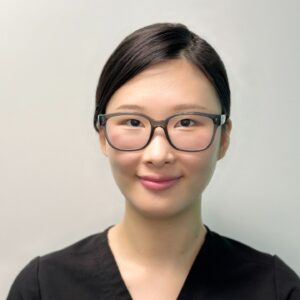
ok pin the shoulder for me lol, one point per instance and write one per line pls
(238, 251)
(26, 284)
(287, 281)
(84, 249)
(55, 269)
(265, 271)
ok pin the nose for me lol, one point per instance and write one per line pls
(159, 151)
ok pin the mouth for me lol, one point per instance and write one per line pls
(158, 183)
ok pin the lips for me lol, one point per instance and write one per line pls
(158, 183)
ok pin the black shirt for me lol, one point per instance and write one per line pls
(224, 269)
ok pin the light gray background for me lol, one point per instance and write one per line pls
(56, 187)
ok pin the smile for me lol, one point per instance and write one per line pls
(158, 184)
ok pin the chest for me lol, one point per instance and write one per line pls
(159, 284)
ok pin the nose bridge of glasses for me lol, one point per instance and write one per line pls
(159, 138)
(162, 124)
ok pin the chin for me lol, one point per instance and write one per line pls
(157, 214)
(160, 206)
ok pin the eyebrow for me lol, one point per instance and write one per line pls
(183, 106)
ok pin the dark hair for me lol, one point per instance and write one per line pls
(153, 44)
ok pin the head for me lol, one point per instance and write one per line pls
(161, 70)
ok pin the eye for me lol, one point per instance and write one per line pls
(133, 122)
(185, 123)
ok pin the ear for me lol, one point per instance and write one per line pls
(102, 141)
(225, 138)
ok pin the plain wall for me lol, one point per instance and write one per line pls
(56, 187)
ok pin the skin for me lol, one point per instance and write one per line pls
(162, 231)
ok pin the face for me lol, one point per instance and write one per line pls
(160, 181)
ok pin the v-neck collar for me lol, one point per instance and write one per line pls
(115, 284)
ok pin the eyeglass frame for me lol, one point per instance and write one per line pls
(218, 120)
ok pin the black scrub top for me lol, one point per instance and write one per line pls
(224, 269)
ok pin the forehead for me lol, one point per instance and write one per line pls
(168, 86)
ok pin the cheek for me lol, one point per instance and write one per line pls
(200, 172)
(123, 166)
(200, 167)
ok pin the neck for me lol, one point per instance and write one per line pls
(162, 240)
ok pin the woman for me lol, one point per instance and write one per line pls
(162, 113)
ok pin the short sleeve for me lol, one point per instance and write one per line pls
(286, 280)
(25, 286)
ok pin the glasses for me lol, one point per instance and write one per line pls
(190, 132)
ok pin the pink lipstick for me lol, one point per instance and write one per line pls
(158, 184)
